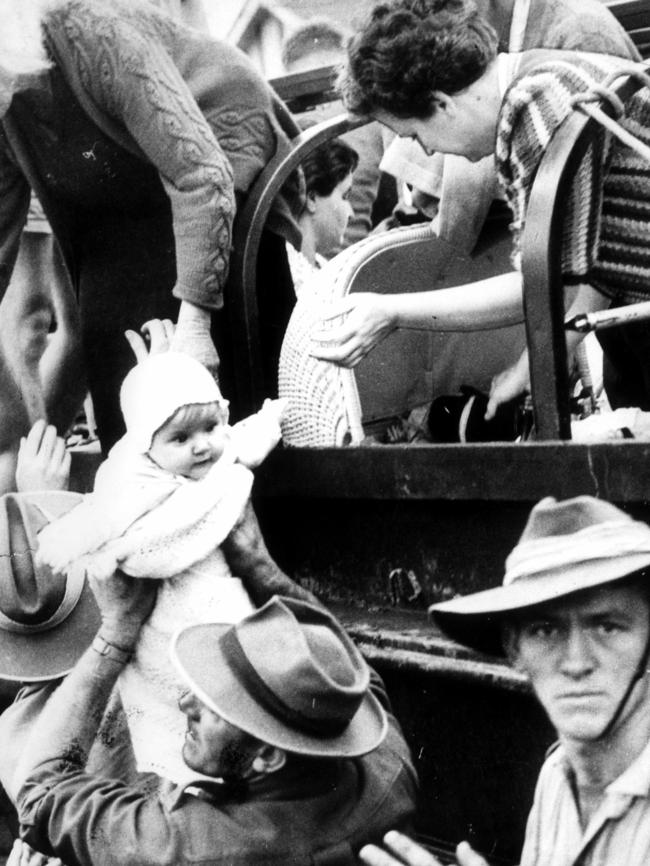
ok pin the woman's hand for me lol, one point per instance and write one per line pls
(192, 336)
(155, 336)
(508, 385)
(401, 850)
(43, 461)
(367, 320)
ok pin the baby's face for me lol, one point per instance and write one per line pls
(189, 446)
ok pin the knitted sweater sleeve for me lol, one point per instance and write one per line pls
(533, 109)
(125, 68)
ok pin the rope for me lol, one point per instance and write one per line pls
(599, 92)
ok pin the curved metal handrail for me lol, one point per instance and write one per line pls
(541, 268)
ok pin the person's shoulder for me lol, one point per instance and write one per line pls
(92, 21)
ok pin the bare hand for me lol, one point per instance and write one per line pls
(192, 336)
(124, 603)
(367, 321)
(23, 854)
(508, 385)
(400, 850)
(155, 336)
(43, 461)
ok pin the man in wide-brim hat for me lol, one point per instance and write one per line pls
(296, 756)
(573, 615)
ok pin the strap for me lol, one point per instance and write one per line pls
(109, 650)
(587, 102)
(520, 12)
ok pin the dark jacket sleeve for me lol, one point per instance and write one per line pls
(14, 204)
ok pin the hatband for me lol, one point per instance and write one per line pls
(74, 586)
(268, 699)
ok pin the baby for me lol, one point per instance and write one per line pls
(168, 494)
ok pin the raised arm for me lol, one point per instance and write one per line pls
(368, 318)
(249, 559)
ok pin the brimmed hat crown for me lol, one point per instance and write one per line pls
(565, 547)
(46, 620)
(289, 675)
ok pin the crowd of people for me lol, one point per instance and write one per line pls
(182, 699)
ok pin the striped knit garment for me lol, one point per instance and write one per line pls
(606, 237)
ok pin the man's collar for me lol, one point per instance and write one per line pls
(295, 780)
(633, 782)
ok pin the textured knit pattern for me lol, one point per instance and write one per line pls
(324, 405)
(194, 108)
(606, 233)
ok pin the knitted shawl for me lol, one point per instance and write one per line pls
(606, 234)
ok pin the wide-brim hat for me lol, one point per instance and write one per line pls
(287, 674)
(566, 547)
(47, 620)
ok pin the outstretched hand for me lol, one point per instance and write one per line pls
(124, 604)
(508, 384)
(43, 461)
(23, 854)
(366, 321)
(400, 850)
(155, 336)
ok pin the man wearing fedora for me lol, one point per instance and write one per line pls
(573, 614)
(297, 759)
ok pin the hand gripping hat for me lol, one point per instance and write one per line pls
(565, 547)
(47, 620)
(157, 387)
(287, 674)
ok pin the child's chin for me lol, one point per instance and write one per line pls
(199, 472)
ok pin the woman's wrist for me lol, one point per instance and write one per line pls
(391, 310)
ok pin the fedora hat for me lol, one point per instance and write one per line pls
(289, 675)
(47, 620)
(566, 547)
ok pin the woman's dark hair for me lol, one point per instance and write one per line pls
(407, 49)
(328, 165)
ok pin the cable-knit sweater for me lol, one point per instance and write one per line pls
(194, 108)
(606, 237)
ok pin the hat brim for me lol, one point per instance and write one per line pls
(49, 655)
(475, 620)
(197, 649)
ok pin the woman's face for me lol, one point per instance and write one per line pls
(457, 126)
(330, 215)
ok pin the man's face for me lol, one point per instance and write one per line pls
(213, 746)
(580, 654)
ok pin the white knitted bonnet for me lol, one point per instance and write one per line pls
(156, 388)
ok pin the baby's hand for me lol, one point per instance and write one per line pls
(256, 436)
(274, 411)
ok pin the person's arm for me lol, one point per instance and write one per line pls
(14, 205)
(369, 318)
(133, 79)
(248, 557)
(65, 730)
(513, 381)
(400, 850)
